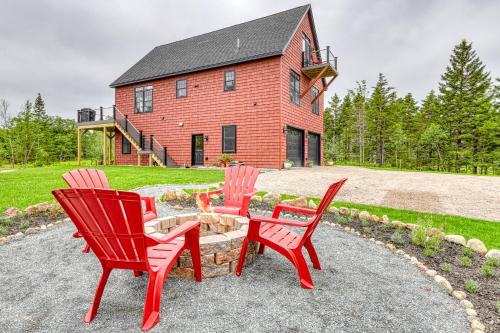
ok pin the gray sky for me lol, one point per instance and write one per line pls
(70, 51)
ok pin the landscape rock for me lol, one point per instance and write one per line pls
(344, 211)
(312, 204)
(271, 198)
(3, 239)
(333, 209)
(364, 215)
(11, 212)
(374, 218)
(410, 226)
(457, 239)
(385, 219)
(390, 247)
(182, 195)
(43, 227)
(441, 281)
(37, 209)
(471, 312)
(431, 272)
(477, 246)
(30, 231)
(169, 195)
(458, 294)
(494, 253)
(354, 212)
(477, 325)
(178, 207)
(466, 304)
(256, 198)
(297, 202)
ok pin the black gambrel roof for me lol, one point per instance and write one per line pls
(261, 38)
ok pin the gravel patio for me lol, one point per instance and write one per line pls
(48, 284)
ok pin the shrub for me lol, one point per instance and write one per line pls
(471, 286)
(3, 230)
(487, 270)
(340, 219)
(397, 237)
(5, 221)
(467, 251)
(493, 262)
(423, 235)
(446, 267)
(466, 261)
(24, 225)
(387, 226)
(429, 252)
(367, 230)
(364, 222)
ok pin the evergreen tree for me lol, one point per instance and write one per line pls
(359, 110)
(330, 129)
(464, 93)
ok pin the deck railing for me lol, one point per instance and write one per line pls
(320, 57)
(90, 115)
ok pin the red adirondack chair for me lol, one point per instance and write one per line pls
(271, 231)
(239, 182)
(112, 224)
(92, 178)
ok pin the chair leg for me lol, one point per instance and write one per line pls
(98, 294)
(261, 248)
(312, 254)
(86, 249)
(243, 253)
(302, 269)
(193, 243)
(137, 273)
(153, 298)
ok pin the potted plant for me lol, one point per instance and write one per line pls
(224, 160)
(309, 164)
(330, 163)
(288, 164)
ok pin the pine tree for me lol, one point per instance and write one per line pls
(330, 129)
(464, 93)
(39, 112)
(380, 116)
(359, 109)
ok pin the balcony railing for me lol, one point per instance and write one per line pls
(320, 57)
(88, 115)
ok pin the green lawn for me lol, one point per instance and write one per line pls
(29, 186)
(487, 231)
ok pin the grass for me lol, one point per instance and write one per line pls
(29, 186)
(486, 231)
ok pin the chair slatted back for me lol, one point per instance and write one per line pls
(110, 221)
(323, 205)
(238, 181)
(88, 178)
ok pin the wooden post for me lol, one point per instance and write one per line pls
(104, 146)
(138, 159)
(78, 145)
(150, 159)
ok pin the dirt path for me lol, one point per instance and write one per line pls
(471, 196)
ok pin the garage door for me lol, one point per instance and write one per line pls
(295, 146)
(313, 148)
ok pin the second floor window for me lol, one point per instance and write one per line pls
(229, 139)
(294, 88)
(181, 88)
(315, 106)
(126, 146)
(144, 99)
(229, 80)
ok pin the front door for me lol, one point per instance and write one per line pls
(314, 148)
(295, 146)
(197, 149)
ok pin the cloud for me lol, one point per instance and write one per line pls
(70, 51)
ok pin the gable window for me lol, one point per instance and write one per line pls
(306, 51)
(229, 80)
(126, 146)
(181, 88)
(144, 99)
(315, 106)
(294, 88)
(229, 139)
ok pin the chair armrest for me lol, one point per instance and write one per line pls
(205, 196)
(245, 202)
(179, 231)
(150, 204)
(279, 208)
(272, 220)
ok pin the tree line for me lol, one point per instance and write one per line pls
(456, 129)
(32, 137)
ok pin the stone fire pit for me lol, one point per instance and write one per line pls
(221, 236)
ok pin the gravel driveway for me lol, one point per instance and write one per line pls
(471, 196)
(48, 285)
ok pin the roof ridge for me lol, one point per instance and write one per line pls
(234, 25)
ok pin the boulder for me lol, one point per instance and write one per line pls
(11, 212)
(333, 209)
(256, 198)
(458, 294)
(182, 195)
(344, 211)
(299, 202)
(441, 281)
(364, 215)
(374, 218)
(477, 246)
(457, 239)
(431, 272)
(312, 204)
(477, 325)
(169, 195)
(494, 253)
(385, 219)
(466, 304)
(271, 198)
(354, 212)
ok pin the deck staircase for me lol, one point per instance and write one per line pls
(148, 146)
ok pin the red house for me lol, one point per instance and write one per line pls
(253, 90)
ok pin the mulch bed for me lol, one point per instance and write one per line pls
(11, 226)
